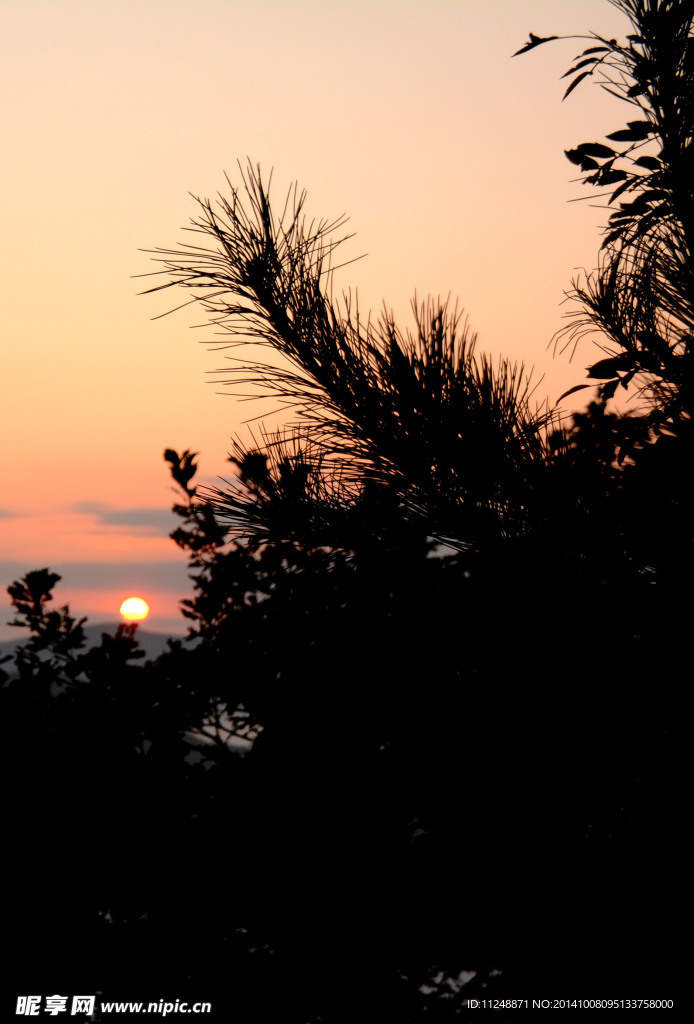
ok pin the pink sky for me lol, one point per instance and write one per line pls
(409, 116)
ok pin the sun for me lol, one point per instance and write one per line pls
(134, 609)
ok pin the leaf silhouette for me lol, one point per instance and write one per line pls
(584, 74)
(651, 163)
(607, 176)
(581, 64)
(636, 90)
(533, 42)
(606, 368)
(571, 391)
(608, 390)
(595, 149)
(586, 163)
(626, 184)
(636, 132)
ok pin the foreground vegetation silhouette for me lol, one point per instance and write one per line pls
(425, 740)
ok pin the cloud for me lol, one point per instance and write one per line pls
(169, 575)
(151, 520)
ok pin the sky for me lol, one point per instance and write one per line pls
(408, 116)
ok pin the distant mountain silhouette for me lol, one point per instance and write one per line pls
(152, 643)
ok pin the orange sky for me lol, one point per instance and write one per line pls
(408, 116)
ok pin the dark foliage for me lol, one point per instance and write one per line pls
(641, 298)
(424, 740)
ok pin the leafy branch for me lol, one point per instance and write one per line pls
(418, 412)
(642, 294)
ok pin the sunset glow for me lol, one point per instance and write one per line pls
(458, 184)
(134, 609)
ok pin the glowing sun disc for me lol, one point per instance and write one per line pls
(134, 609)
